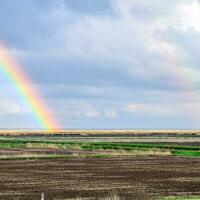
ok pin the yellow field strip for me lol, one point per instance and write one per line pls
(96, 132)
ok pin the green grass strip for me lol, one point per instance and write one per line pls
(186, 153)
(180, 198)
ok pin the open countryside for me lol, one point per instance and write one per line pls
(102, 165)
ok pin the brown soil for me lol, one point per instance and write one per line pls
(130, 178)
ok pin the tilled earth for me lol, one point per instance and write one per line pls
(92, 178)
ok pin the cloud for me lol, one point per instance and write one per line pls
(95, 49)
(73, 108)
(165, 110)
(11, 107)
(107, 60)
(149, 109)
(190, 15)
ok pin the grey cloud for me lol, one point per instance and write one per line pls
(106, 54)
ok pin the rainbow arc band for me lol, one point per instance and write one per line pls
(21, 82)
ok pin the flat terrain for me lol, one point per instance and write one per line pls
(129, 178)
(103, 166)
(120, 132)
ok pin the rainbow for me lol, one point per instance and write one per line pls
(20, 81)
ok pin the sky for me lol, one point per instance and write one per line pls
(105, 64)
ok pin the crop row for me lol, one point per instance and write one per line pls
(127, 146)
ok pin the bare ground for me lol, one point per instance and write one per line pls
(130, 178)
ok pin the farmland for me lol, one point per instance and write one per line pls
(136, 165)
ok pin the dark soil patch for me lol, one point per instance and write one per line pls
(129, 178)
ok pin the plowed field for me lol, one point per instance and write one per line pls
(91, 178)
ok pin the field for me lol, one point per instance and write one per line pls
(101, 165)
(93, 178)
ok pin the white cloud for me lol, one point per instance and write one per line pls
(131, 45)
(190, 15)
(108, 37)
(174, 110)
(12, 107)
(149, 109)
(75, 109)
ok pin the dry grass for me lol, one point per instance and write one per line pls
(52, 146)
(138, 195)
(96, 132)
(112, 197)
(96, 154)
(21, 156)
(153, 152)
(42, 145)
